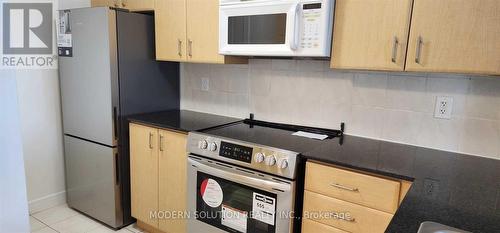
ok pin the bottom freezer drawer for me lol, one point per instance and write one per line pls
(91, 180)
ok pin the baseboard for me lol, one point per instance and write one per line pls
(47, 202)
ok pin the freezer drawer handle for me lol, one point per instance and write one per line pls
(117, 169)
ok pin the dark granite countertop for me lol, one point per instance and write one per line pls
(466, 189)
(182, 120)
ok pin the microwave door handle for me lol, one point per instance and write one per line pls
(294, 44)
(227, 174)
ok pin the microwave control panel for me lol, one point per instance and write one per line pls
(312, 23)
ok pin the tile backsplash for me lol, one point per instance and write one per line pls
(390, 106)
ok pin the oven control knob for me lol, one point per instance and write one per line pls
(270, 160)
(203, 144)
(259, 157)
(213, 146)
(283, 163)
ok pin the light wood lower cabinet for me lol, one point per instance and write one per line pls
(158, 177)
(144, 172)
(310, 226)
(352, 217)
(367, 190)
(172, 186)
(338, 199)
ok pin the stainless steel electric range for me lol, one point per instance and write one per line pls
(243, 177)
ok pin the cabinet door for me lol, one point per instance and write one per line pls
(370, 34)
(460, 36)
(203, 31)
(138, 5)
(172, 183)
(170, 27)
(144, 172)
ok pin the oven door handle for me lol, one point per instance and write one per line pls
(226, 173)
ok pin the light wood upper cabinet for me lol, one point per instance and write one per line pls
(138, 5)
(188, 31)
(132, 5)
(170, 30)
(144, 172)
(110, 3)
(172, 187)
(460, 36)
(371, 34)
(203, 31)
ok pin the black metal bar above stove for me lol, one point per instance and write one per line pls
(330, 132)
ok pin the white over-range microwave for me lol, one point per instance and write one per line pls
(289, 28)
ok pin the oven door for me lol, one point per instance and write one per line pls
(225, 198)
(259, 28)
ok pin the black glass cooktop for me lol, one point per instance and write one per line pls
(272, 134)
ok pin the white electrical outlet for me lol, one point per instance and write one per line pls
(205, 84)
(444, 107)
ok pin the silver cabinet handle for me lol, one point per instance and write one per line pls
(419, 49)
(344, 187)
(395, 49)
(345, 219)
(349, 219)
(150, 140)
(161, 142)
(190, 48)
(179, 47)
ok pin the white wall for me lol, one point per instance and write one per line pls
(40, 114)
(13, 204)
(389, 106)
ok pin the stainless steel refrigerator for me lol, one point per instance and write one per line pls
(109, 74)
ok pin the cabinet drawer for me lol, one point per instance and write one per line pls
(357, 218)
(309, 226)
(366, 190)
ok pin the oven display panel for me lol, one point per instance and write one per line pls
(237, 152)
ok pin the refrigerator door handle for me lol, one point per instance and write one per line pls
(115, 125)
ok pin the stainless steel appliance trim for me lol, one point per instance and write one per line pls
(284, 200)
(231, 173)
(91, 180)
(290, 172)
(89, 79)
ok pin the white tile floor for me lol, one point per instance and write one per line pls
(62, 219)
